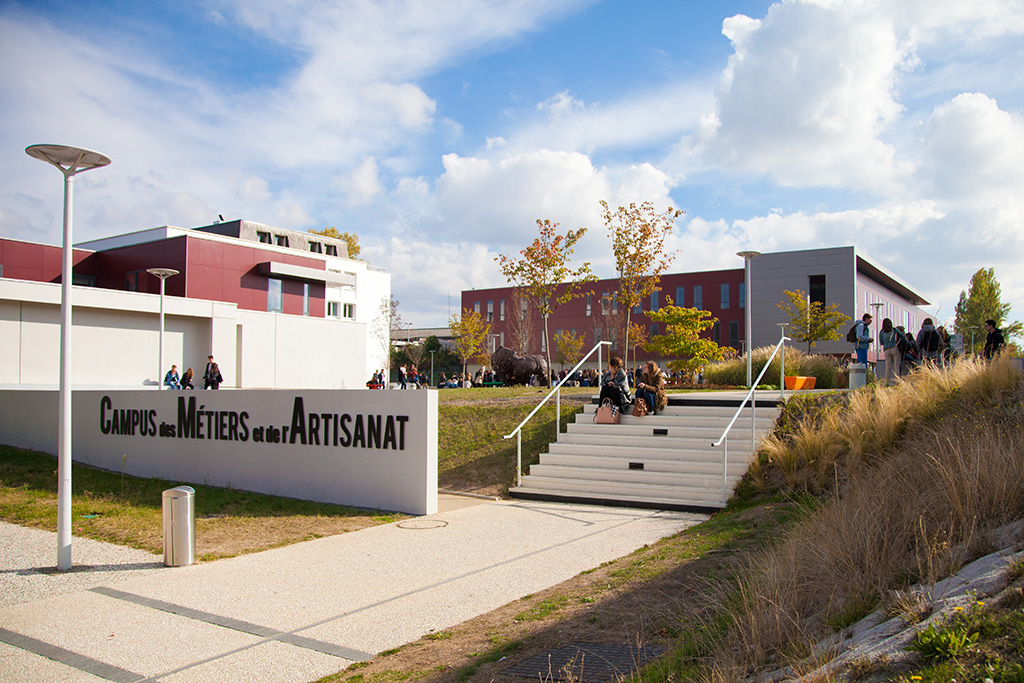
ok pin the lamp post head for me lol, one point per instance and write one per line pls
(70, 160)
(748, 254)
(162, 273)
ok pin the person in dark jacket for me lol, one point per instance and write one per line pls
(994, 342)
(212, 377)
(613, 384)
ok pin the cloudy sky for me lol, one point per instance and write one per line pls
(439, 131)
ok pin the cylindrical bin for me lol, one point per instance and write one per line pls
(858, 375)
(179, 506)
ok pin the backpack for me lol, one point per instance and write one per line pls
(931, 340)
(851, 336)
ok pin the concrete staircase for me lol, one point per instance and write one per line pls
(662, 461)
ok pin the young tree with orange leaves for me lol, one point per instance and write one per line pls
(470, 333)
(543, 269)
(638, 242)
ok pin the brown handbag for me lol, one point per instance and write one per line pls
(639, 407)
(607, 413)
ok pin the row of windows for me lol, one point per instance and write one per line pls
(282, 241)
(610, 303)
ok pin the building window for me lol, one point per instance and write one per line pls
(501, 313)
(743, 295)
(281, 240)
(605, 302)
(274, 296)
(79, 280)
(333, 309)
(476, 307)
(716, 332)
(589, 309)
(131, 280)
(816, 289)
(332, 249)
(316, 247)
(725, 295)
(263, 237)
(490, 310)
(350, 311)
(734, 334)
(305, 298)
(543, 344)
(501, 338)
(698, 296)
(654, 300)
(638, 308)
(654, 331)
(615, 304)
(681, 297)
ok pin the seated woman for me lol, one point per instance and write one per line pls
(651, 388)
(613, 384)
(186, 380)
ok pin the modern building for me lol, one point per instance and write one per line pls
(836, 275)
(277, 308)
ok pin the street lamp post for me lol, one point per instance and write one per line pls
(432, 352)
(782, 361)
(876, 305)
(747, 258)
(70, 161)
(163, 274)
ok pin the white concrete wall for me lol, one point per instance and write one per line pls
(115, 341)
(232, 441)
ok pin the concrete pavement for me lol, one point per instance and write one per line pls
(296, 613)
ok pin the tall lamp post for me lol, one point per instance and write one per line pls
(163, 274)
(747, 258)
(432, 352)
(70, 161)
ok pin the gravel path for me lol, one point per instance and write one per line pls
(28, 564)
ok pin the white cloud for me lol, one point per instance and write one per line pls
(362, 185)
(806, 94)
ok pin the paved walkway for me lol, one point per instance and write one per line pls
(296, 613)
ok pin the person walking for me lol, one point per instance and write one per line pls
(863, 334)
(994, 342)
(888, 340)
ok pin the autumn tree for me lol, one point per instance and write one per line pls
(569, 347)
(350, 239)
(682, 339)
(385, 326)
(609, 321)
(812, 321)
(520, 321)
(470, 332)
(544, 275)
(981, 302)
(638, 243)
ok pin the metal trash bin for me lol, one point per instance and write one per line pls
(858, 375)
(179, 506)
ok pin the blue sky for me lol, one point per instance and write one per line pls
(440, 132)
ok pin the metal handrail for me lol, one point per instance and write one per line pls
(557, 391)
(753, 409)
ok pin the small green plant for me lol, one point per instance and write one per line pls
(947, 642)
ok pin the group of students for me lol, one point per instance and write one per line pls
(211, 377)
(650, 388)
(902, 351)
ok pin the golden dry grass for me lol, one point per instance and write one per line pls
(917, 474)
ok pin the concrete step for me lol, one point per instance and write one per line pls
(696, 503)
(678, 465)
(697, 492)
(637, 429)
(622, 441)
(701, 454)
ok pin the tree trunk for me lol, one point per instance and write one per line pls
(547, 348)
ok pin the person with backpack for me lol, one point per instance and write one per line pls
(929, 341)
(888, 340)
(860, 335)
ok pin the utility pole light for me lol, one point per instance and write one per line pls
(747, 258)
(163, 274)
(70, 161)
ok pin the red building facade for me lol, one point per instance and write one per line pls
(597, 316)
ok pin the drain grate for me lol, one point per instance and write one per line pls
(586, 663)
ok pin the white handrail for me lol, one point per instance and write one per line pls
(753, 409)
(517, 432)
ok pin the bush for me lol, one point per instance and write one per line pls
(825, 369)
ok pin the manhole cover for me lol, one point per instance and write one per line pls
(423, 524)
(586, 663)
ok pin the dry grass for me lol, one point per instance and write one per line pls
(916, 474)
